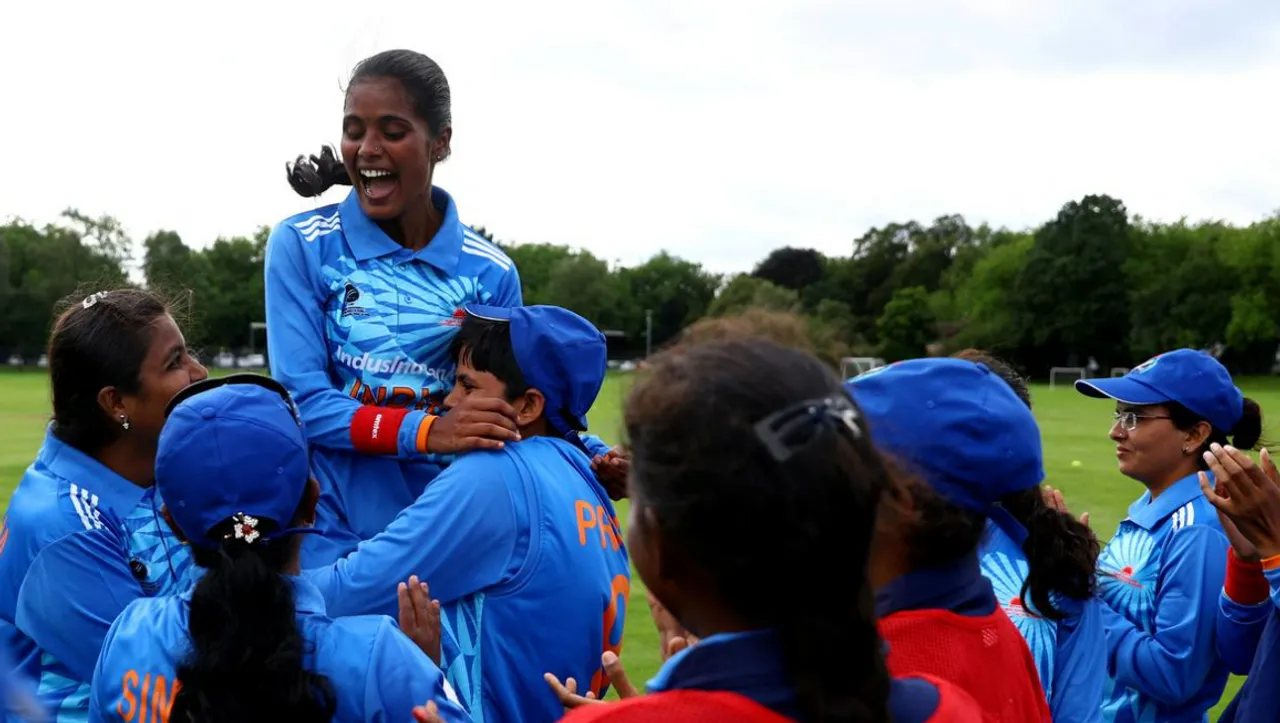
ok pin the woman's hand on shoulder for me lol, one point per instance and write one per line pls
(476, 423)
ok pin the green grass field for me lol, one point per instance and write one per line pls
(1074, 428)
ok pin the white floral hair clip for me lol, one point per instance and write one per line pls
(92, 299)
(246, 528)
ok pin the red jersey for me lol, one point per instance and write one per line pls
(983, 655)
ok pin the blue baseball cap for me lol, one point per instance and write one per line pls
(957, 424)
(232, 447)
(560, 354)
(1191, 378)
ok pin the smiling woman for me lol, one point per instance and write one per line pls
(363, 298)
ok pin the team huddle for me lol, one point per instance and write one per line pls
(408, 520)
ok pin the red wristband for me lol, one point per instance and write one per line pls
(1245, 582)
(376, 430)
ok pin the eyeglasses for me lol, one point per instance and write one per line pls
(1128, 421)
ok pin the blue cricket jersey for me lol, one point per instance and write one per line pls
(376, 672)
(1249, 642)
(1070, 654)
(79, 544)
(522, 548)
(354, 318)
(1160, 577)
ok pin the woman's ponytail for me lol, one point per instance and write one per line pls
(310, 177)
(247, 659)
(1248, 431)
(1062, 552)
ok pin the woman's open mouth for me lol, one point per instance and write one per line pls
(377, 184)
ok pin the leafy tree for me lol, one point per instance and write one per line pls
(907, 324)
(791, 268)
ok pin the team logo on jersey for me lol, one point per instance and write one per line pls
(455, 319)
(350, 295)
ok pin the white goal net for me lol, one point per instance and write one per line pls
(852, 366)
(1065, 375)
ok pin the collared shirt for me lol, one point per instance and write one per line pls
(1070, 654)
(377, 673)
(356, 319)
(522, 548)
(750, 664)
(79, 544)
(1160, 577)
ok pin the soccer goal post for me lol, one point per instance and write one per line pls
(852, 366)
(1070, 373)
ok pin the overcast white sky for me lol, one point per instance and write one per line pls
(716, 129)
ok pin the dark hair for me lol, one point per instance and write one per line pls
(1062, 552)
(1000, 368)
(247, 654)
(942, 533)
(428, 90)
(737, 513)
(100, 340)
(486, 346)
(1246, 435)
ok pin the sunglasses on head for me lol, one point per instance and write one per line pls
(213, 383)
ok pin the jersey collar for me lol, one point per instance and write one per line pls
(113, 492)
(1148, 514)
(958, 587)
(367, 241)
(747, 663)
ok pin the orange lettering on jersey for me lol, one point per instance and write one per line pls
(162, 704)
(614, 616)
(369, 395)
(586, 519)
(146, 691)
(401, 397)
(4, 533)
(128, 694)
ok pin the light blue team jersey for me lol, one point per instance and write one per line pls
(79, 543)
(377, 673)
(522, 548)
(353, 318)
(1160, 577)
(1070, 654)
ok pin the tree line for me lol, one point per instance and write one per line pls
(1094, 281)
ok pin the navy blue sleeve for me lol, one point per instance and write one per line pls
(459, 536)
(1172, 662)
(1080, 667)
(298, 350)
(1239, 629)
(73, 592)
(402, 676)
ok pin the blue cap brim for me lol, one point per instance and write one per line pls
(488, 313)
(1125, 390)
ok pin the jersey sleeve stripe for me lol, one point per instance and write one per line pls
(470, 247)
(312, 222)
(484, 243)
(86, 510)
